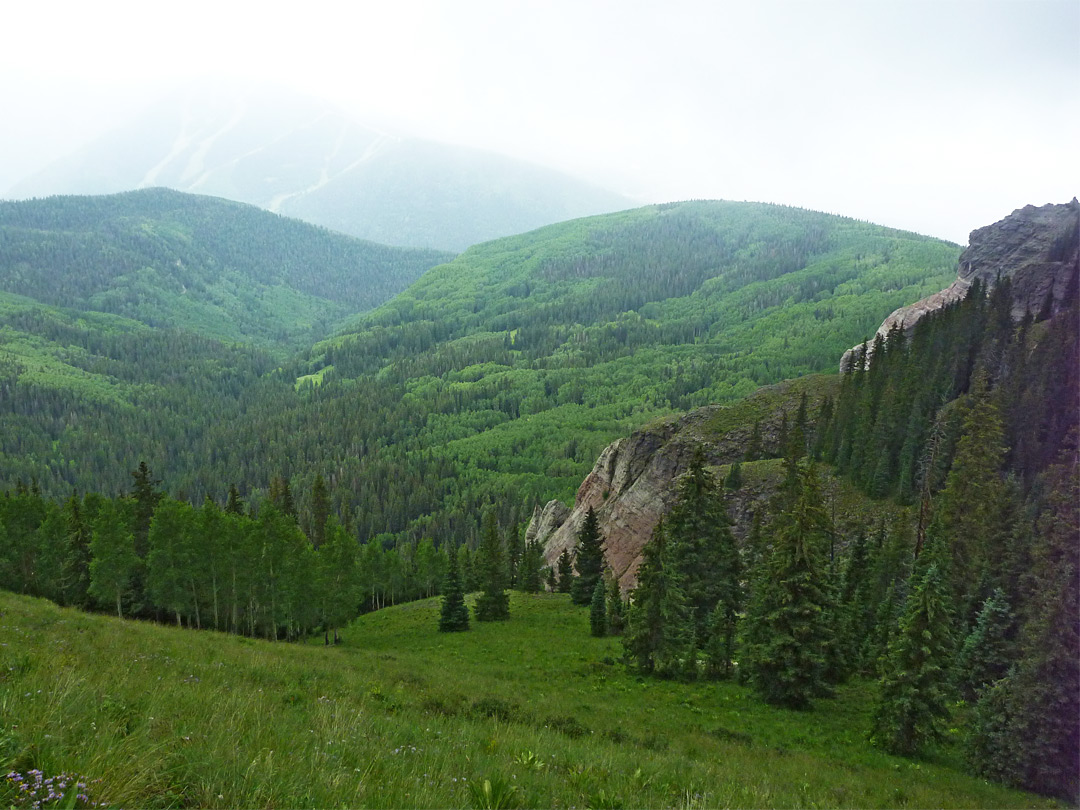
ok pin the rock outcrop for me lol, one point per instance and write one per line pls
(1037, 248)
(633, 482)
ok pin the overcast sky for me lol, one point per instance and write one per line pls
(937, 116)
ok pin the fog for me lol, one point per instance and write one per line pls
(937, 117)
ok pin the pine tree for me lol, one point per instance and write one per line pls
(493, 603)
(787, 636)
(565, 566)
(235, 504)
(598, 610)
(733, 481)
(616, 608)
(915, 688)
(75, 569)
(703, 548)
(988, 651)
(320, 511)
(659, 625)
(281, 496)
(1025, 730)
(589, 559)
(453, 615)
(529, 568)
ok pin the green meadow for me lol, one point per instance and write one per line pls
(532, 712)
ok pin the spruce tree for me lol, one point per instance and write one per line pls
(988, 651)
(659, 625)
(529, 568)
(453, 615)
(733, 480)
(598, 610)
(589, 559)
(565, 566)
(915, 688)
(787, 636)
(493, 603)
(703, 548)
(320, 511)
(616, 608)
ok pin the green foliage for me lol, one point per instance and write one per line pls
(565, 566)
(493, 603)
(988, 651)
(787, 634)
(114, 562)
(659, 636)
(453, 614)
(598, 624)
(916, 688)
(589, 561)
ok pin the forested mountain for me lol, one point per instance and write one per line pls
(218, 269)
(504, 371)
(305, 158)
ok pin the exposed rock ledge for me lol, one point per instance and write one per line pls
(1038, 248)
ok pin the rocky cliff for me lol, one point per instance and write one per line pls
(632, 483)
(1037, 248)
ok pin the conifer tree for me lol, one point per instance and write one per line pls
(754, 448)
(787, 636)
(598, 610)
(659, 625)
(453, 614)
(565, 566)
(988, 651)
(75, 569)
(1025, 730)
(703, 548)
(493, 603)
(589, 560)
(235, 504)
(320, 511)
(529, 568)
(733, 480)
(915, 687)
(616, 608)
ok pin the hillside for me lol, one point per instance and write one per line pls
(503, 373)
(215, 268)
(301, 157)
(127, 323)
(401, 715)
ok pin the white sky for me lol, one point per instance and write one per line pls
(937, 116)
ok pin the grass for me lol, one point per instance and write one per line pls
(529, 713)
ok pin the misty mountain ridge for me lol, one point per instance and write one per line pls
(305, 158)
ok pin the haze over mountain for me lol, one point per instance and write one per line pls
(302, 157)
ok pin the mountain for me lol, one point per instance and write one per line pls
(216, 268)
(301, 157)
(633, 480)
(1037, 249)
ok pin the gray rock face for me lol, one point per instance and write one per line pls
(1038, 248)
(630, 488)
(547, 520)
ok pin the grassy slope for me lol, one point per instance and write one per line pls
(402, 716)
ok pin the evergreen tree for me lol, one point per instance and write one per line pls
(1025, 730)
(659, 625)
(320, 511)
(703, 548)
(75, 569)
(988, 651)
(913, 702)
(598, 610)
(565, 566)
(754, 447)
(529, 568)
(589, 559)
(787, 638)
(493, 603)
(235, 504)
(616, 608)
(453, 614)
(733, 481)
(281, 496)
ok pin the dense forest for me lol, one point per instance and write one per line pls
(503, 371)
